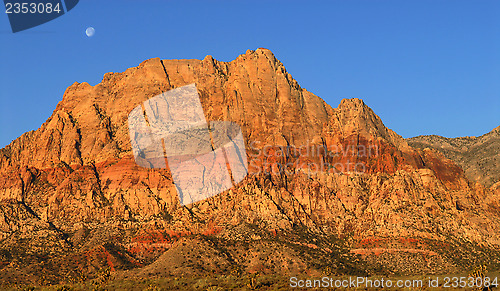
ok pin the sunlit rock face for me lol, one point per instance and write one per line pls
(321, 181)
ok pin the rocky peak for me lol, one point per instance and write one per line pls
(90, 124)
(354, 117)
(255, 90)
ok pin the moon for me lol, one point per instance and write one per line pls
(90, 31)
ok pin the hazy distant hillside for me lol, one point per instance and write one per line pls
(478, 156)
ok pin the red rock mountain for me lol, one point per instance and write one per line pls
(355, 197)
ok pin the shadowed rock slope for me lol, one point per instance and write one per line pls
(331, 190)
(478, 156)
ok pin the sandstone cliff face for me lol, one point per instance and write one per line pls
(478, 156)
(73, 184)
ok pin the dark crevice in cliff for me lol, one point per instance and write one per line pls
(166, 74)
(62, 234)
(78, 142)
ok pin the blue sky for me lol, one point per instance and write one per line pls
(425, 67)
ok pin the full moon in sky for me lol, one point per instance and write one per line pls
(90, 31)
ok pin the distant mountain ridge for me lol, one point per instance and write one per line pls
(478, 156)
